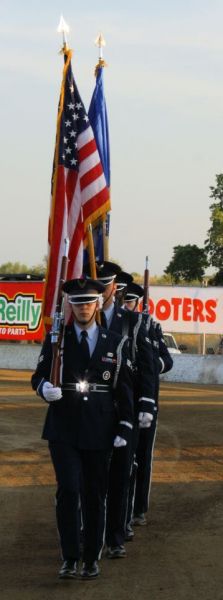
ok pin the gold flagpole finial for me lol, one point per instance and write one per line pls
(63, 28)
(100, 42)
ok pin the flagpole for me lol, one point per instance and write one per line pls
(100, 42)
(105, 239)
(91, 252)
(62, 28)
(92, 261)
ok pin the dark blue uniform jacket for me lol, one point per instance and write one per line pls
(88, 420)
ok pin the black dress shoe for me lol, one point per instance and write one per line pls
(89, 570)
(68, 569)
(129, 533)
(139, 519)
(116, 552)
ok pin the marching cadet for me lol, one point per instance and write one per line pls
(128, 324)
(122, 281)
(142, 472)
(91, 411)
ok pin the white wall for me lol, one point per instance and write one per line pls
(195, 368)
(187, 368)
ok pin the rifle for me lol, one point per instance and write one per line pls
(58, 320)
(145, 307)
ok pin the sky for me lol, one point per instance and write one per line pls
(164, 94)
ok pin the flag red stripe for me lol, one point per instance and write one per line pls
(71, 182)
(87, 149)
(59, 202)
(74, 246)
(55, 241)
(91, 176)
(95, 203)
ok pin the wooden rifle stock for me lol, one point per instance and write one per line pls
(145, 306)
(58, 320)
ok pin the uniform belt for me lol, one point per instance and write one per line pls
(85, 387)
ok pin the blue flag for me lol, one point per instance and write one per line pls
(99, 122)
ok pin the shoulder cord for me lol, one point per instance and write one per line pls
(125, 324)
(148, 323)
(119, 360)
(135, 333)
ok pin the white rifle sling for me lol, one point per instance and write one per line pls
(148, 321)
(119, 360)
(135, 333)
(61, 354)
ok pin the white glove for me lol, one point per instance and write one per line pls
(145, 420)
(51, 393)
(119, 442)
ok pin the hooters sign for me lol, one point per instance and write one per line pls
(187, 309)
(20, 310)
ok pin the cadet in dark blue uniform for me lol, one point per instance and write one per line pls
(128, 324)
(144, 453)
(122, 281)
(91, 410)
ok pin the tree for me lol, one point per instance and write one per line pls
(11, 267)
(217, 279)
(17, 267)
(188, 264)
(164, 279)
(214, 241)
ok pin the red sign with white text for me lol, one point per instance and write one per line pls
(20, 310)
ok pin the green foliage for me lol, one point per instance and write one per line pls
(217, 279)
(153, 280)
(164, 279)
(188, 264)
(137, 277)
(17, 267)
(214, 241)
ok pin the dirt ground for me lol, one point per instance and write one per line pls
(177, 556)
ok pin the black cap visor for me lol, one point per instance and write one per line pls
(83, 298)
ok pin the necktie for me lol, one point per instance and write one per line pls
(84, 351)
(104, 320)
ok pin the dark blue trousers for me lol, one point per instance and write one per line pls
(117, 498)
(144, 459)
(80, 474)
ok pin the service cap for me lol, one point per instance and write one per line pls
(83, 291)
(134, 292)
(123, 280)
(106, 271)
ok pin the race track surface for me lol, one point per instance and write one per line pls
(177, 556)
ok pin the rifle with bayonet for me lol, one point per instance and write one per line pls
(145, 305)
(58, 320)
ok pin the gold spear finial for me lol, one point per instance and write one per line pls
(63, 28)
(100, 42)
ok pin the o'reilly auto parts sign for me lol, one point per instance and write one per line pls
(20, 310)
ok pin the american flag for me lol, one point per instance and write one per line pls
(79, 192)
